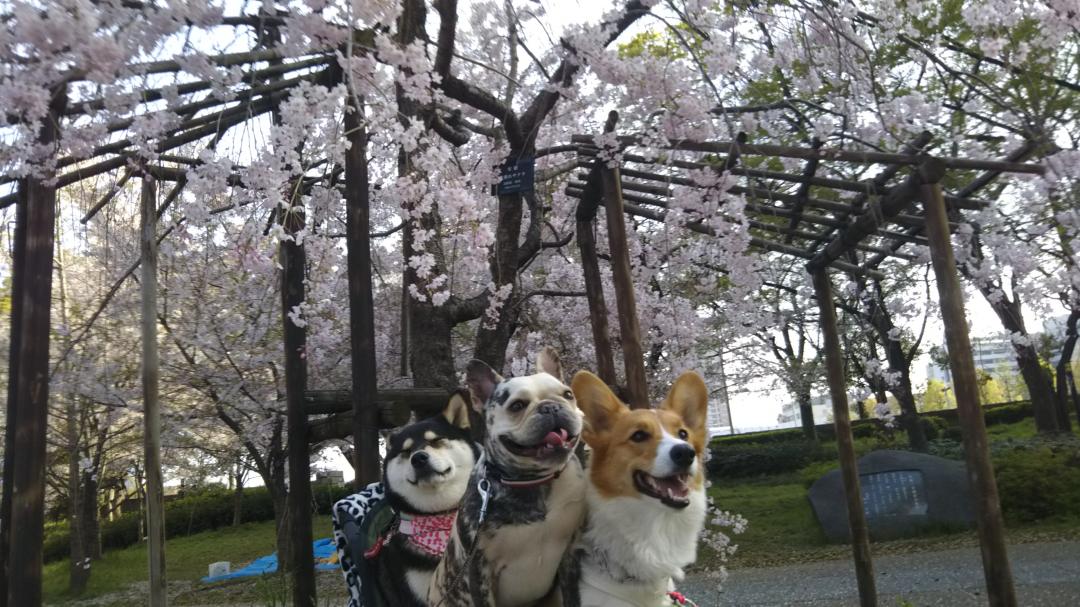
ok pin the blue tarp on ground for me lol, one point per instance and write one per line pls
(325, 559)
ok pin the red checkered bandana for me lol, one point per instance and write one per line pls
(430, 533)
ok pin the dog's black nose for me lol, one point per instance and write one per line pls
(683, 455)
(548, 408)
(420, 459)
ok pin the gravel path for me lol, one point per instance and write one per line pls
(1044, 573)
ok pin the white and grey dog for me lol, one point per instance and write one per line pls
(526, 498)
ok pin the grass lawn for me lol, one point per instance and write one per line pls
(186, 558)
(782, 527)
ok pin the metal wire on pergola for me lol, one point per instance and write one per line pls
(828, 222)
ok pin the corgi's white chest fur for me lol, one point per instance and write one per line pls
(635, 546)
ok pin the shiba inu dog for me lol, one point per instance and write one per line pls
(525, 501)
(646, 493)
(425, 473)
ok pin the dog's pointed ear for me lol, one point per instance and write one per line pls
(547, 361)
(598, 402)
(481, 380)
(457, 411)
(689, 399)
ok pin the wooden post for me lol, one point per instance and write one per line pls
(834, 365)
(594, 291)
(24, 558)
(17, 286)
(293, 262)
(637, 390)
(155, 493)
(361, 305)
(996, 569)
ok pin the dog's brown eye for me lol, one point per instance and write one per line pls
(516, 406)
(639, 436)
(683, 434)
(568, 395)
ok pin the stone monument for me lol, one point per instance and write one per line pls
(903, 492)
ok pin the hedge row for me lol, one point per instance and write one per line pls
(204, 511)
(1006, 413)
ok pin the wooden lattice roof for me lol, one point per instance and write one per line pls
(852, 226)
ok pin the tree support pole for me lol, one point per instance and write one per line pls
(24, 558)
(594, 291)
(361, 304)
(834, 365)
(155, 495)
(629, 331)
(995, 558)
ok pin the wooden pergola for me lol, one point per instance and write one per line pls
(830, 223)
(853, 231)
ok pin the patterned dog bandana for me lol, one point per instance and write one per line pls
(430, 533)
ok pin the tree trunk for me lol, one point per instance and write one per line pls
(1027, 359)
(1064, 375)
(430, 352)
(909, 413)
(79, 570)
(238, 495)
(493, 338)
(806, 415)
(279, 498)
(91, 518)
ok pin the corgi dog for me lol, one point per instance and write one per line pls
(645, 497)
(427, 468)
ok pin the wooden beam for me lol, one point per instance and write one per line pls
(1021, 153)
(394, 404)
(637, 390)
(155, 492)
(849, 470)
(853, 156)
(869, 187)
(885, 208)
(24, 558)
(881, 180)
(361, 302)
(575, 190)
(995, 558)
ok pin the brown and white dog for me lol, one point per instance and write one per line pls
(525, 502)
(646, 493)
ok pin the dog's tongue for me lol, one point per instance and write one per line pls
(556, 439)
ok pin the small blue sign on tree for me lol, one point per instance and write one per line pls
(516, 175)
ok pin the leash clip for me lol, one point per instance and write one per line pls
(484, 487)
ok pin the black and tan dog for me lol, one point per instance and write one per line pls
(427, 468)
(526, 498)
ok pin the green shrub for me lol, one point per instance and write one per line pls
(1008, 413)
(205, 510)
(934, 427)
(121, 532)
(733, 461)
(810, 474)
(946, 447)
(1038, 478)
